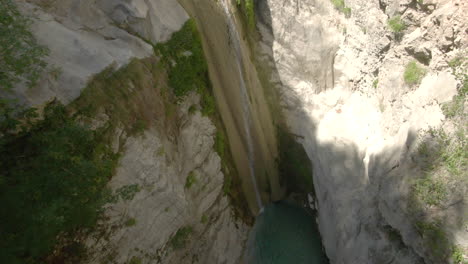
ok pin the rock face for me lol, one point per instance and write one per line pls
(84, 37)
(342, 91)
(166, 202)
(240, 98)
(167, 180)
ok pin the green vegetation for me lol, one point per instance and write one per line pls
(247, 7)
(181, 237)
(129, 97)
(396, 24)
(130, 222)
(375, 83)
(192, 109)
(430, 191)
(443, 159)
(204, 219)
(457, 255)
(220, 144)
(341, 6)
(184, 60)
(21, 58)
(413, 73)
(187, 69)
(456, 108)
(52, 181)
(127, 192)
(190, 180)
(139, 127)
(135, 260)
(435, 238)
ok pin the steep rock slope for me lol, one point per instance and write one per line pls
(168, 203)
(343, 91)
(84, 37)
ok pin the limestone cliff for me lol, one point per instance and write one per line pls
(169, 204)
(341, 73)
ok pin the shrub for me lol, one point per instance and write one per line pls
(183, 56)
(192, 109)
(396, 24)
(52, 181)
(180, 239)
(457, 255)
(190, 180)
(375, 83)
(413, 73)
(139, 127)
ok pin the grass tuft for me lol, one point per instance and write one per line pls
(413, 73)
(396, 24)
(341, 6)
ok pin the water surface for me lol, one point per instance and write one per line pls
(285, 234)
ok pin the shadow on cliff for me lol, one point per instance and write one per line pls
(359, 202)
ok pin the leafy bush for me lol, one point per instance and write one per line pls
(457, 255)
(413, 73)
(52, 181)
(187, 69)
(341, 6)
(190, 180)
(130, 222)
(184, 57)
(396, 24)
(21, 58)
(127, 192)
(180, 239)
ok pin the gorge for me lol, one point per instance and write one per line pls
(236, 131)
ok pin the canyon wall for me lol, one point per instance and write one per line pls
(170, 205)
(340, 72)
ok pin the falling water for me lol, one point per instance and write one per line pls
(234, 37)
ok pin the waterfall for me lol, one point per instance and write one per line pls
(247, 117)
